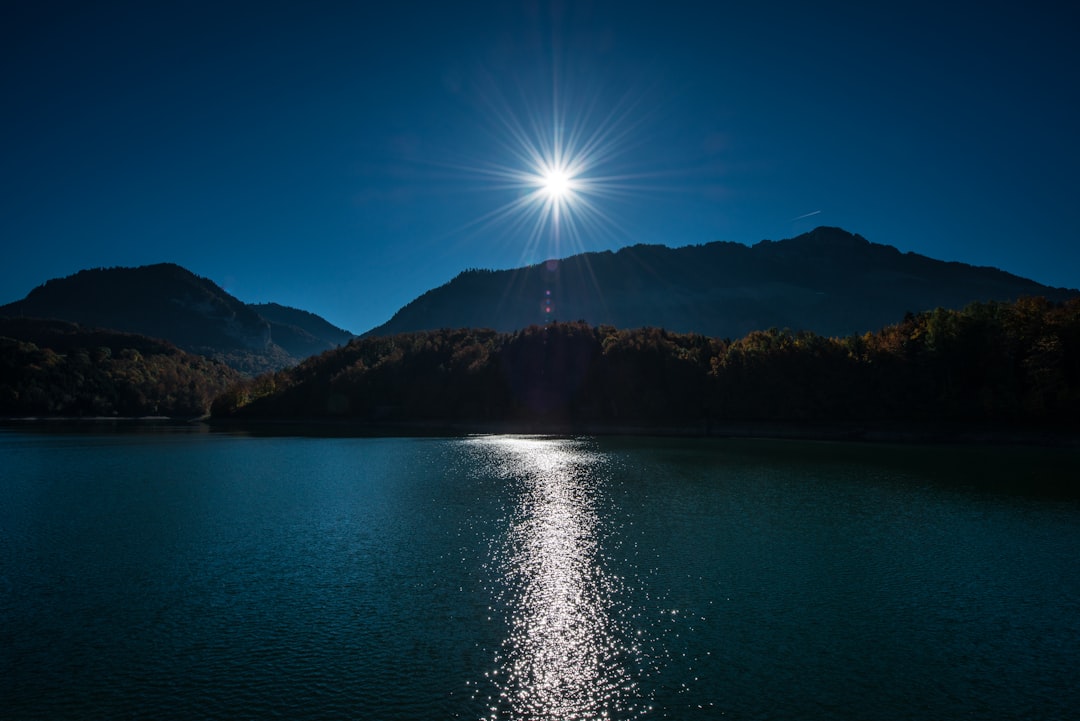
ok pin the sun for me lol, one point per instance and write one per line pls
(565, 165)
(557, 184)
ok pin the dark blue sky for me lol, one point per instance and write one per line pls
(345, 157)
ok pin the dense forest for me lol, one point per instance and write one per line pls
(1008, 363)
(55, 368)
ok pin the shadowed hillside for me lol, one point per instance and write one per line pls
(169, 302)
(299, 332)
(827, 281)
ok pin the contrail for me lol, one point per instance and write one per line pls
(804, 215)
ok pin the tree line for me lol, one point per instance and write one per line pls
(1016, 363)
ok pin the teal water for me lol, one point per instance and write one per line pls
(184, 574)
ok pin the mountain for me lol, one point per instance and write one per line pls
(299, 332)
(170, 302)
(828, 281)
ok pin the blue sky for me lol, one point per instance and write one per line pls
(346, 157)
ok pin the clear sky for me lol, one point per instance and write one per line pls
(345, 157)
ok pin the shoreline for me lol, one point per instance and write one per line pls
(893, 432)
(901, 432)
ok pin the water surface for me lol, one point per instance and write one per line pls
(188, 574)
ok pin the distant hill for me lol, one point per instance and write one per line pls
(170, 302)
(299, 332)
(828, 281)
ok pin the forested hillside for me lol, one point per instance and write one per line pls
(1013, 363)
(54, 368)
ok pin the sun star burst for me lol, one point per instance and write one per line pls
(565, 166)
(557, 183)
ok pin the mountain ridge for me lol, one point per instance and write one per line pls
(828, 281)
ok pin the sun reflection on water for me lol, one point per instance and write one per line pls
(568, 653)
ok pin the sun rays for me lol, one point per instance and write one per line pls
(564, 163)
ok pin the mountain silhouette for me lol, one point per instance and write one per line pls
(300, 332)
(828, 281)
(170, 302)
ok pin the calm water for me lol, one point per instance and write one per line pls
(189, 574)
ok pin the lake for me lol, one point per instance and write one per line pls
(158, 572)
